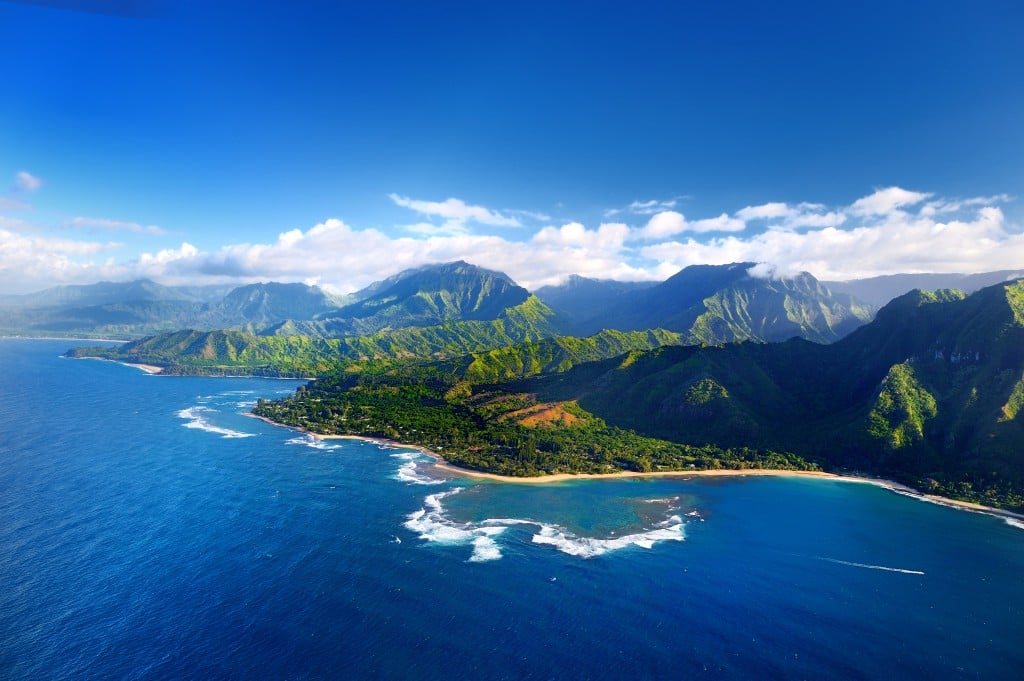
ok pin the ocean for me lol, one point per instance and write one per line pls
(149, 529)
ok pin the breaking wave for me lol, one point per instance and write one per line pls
(670, 529)
(312, 442)
(409, 471)
(194, 418)
(432, 524)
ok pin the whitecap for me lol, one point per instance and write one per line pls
(313, 442)
(671, 529)
(432, 525)
(196, 420)
(405, 456)
(409, 473)
(1014, 522)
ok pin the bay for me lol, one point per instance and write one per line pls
(150, 529)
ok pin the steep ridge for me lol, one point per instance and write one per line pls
(428, 296)
(727, 303)
(931, 391)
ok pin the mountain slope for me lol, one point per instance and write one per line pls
(878, 291)
(269, 303)
(725, 303)
(141, 307)
(102, 293)
(240, 352)
(581, 299)
(932, 390)
(428, 296)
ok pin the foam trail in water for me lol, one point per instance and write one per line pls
(1014, 522)
(871, 567)
(196, 420)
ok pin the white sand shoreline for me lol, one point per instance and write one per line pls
(891, 485)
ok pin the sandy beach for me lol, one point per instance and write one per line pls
(892, 485)
(148, 368)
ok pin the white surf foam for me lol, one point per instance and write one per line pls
(195, 420)
(1014, 522)
(409, 471)
(405, 456)
(432, 525)
(670, 529)
(871, 567)
(313, 442)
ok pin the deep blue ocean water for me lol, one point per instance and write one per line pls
(150, 530)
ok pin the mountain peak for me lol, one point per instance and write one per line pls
(430, 295)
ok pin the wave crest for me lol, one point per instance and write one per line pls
(432, 524)
(195, 420)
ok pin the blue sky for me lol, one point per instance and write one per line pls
(339, 142)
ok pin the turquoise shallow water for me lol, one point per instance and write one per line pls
(150, 530)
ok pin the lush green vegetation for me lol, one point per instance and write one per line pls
(491, 429)
(929, 394)
(243, 353)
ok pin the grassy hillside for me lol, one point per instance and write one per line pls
(237, 352)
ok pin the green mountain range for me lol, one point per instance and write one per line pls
(244, 353)
(878, 291)
(929, 392)
(445, 311)
(714, 304)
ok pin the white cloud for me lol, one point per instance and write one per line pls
(765, 211)
(116, 225)
(897, 243)
(668, 223)
(643, 207)
(32, 262)
(723, 223)
(833, 243)
(664, 224)
(16, 224)
(530, 214)
(887, 200)
(456, 210)
(27, 182)
(7, 203)
(783, 216)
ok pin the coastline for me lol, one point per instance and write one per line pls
(63, 338)
(891, 485)
(148, 368)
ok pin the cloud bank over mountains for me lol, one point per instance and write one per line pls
(890, 230)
